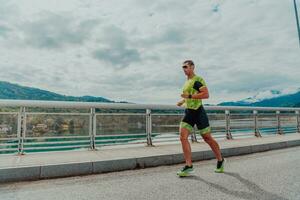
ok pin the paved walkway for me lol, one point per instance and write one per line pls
(63, 164)
(271, 175)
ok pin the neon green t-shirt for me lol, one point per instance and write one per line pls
(192, 86)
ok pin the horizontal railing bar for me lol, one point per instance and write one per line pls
(249, 125)
(67, 104)
(56, 142)
(8, 113)
(120, 114)
(8, 144)
(56, 147)
(268, 132)
(165, 126)
(246, 133)
(116, 143)
(56, 137)
(215, 132)
(241, 114)
(288, 114)
(242, 119)
(119, 139)
(289, 129)
(166, 114)
(165, 136)
(241, 128)
(244, 136)
(121, 135)
(9, 150)
(13, 139)
(220, 118)
(161, 133)
(294, 129)
(163, 141)
(219, 135)
(267, 127)
(43, 113)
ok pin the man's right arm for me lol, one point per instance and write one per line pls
(180, 103)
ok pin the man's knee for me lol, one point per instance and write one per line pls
(207, 138)
(183, 139)
(184, 134)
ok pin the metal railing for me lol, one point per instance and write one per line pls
(36, 126)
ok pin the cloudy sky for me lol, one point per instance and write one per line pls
(133, 49)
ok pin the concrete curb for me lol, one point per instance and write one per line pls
(96, 167)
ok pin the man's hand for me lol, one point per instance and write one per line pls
(185, 96)
(180, 103)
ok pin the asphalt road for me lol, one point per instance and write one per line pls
(269, 175)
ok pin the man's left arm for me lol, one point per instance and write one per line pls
(202, 94)
(202, 91)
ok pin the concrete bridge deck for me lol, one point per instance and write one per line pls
(272, 175)
(63, 164)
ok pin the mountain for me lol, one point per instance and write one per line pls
(272, 98)
(15, 91)
(269, 94)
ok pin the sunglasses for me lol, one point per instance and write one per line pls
(184, 66)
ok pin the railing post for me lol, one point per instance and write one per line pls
(298, 120)
(227, 119)
(21, 130)
(92, 129)
(149, 127)
(256, 129)
(193, 136)
(279, 130)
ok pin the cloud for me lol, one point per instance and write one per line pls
(119, 57)
(254, 81)
(52, 31)
(167, 36)
(3, 31)
(120, 49)
(7, 9)
(115, 48)
(7, 12)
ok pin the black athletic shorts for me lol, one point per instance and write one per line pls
(196, 117)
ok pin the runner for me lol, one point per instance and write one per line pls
(194, 90)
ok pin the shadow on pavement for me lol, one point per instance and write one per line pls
(257, 192)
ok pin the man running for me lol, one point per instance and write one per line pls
(194, 90)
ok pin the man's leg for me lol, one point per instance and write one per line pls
(185, 130)
(213, 145)
(186, 147)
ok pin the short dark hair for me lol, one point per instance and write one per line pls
(189, 62)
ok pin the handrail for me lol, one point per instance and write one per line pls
(127, 106)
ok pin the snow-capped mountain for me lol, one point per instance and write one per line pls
(270, 98)
(269, 94)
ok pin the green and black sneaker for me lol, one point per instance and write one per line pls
(185, 171)
(220, 166)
